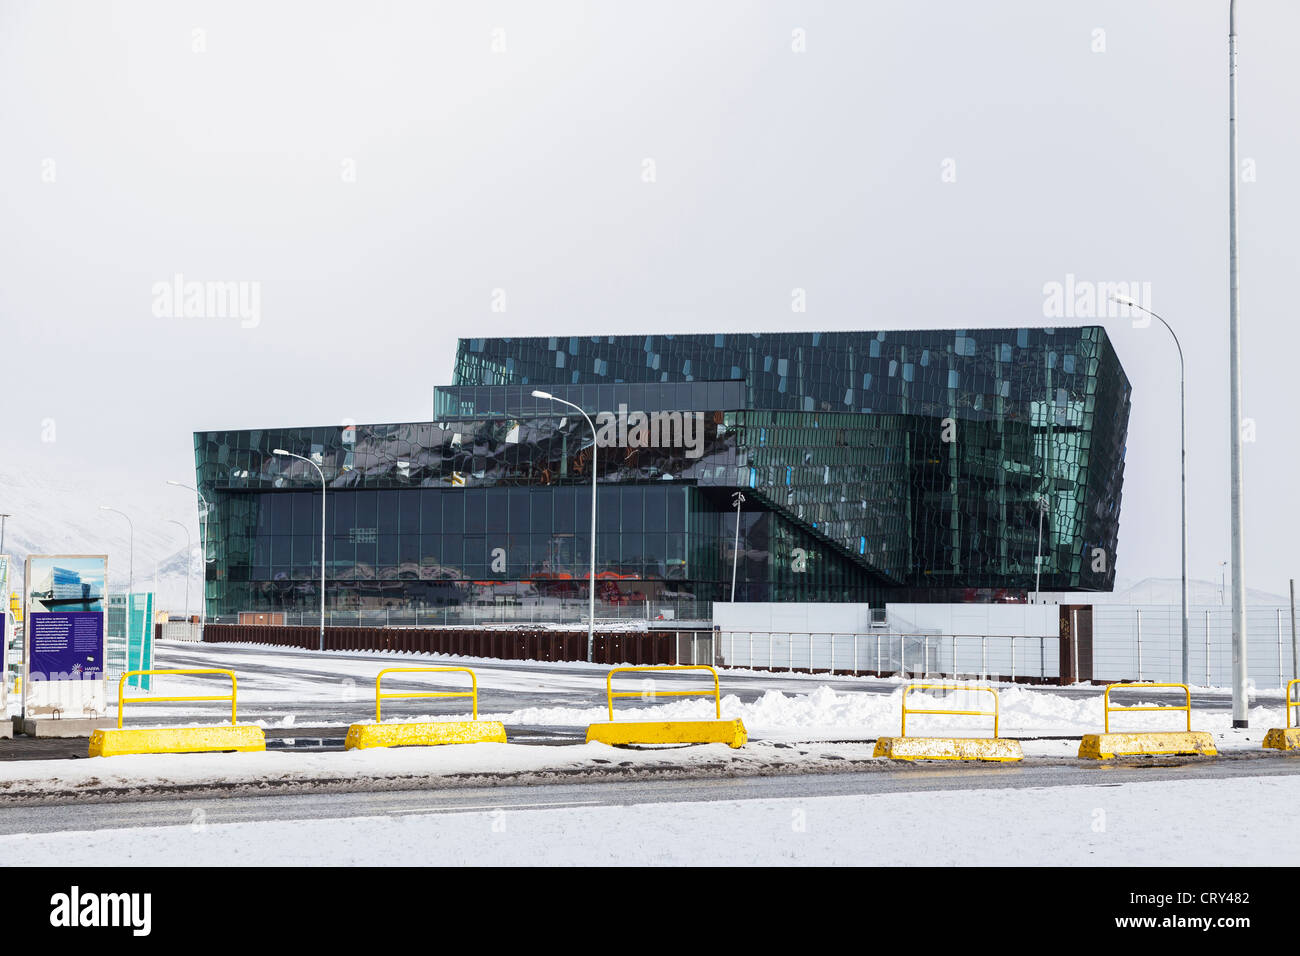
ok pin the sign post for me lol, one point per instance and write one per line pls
(139, 638)
(64, 640)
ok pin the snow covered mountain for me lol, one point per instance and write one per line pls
(59, 514)
(1169, 591)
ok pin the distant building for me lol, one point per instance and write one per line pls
(62, 583)
(891, 465)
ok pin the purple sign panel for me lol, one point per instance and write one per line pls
(66, 645)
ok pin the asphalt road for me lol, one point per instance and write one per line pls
(212, 810)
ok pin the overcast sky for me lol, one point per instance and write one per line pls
(379, 169)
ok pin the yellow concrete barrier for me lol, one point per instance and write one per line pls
(904, 747)
(176, 740)
(1288, 737)
(622, 733)
(430, 733)
(1105, 746)
(1147, 744)
(949, 748)
(1283, 738)
(425, 734)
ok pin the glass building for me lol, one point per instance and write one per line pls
(875, 466)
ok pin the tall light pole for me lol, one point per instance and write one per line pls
(289, 454)
(1239, 701)
(1041, 503)
(737, 499)
(130, 580)
(591, 586)
(189, 555)
(1182, 432)
(203, 543)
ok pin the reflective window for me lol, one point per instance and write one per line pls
(453, 512)
(475, 511)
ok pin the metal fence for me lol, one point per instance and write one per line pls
(657, 613)
(611, 647)
(115, 638)
(696, 647)
(181, 631)
(1000, 656)
(1144, 642)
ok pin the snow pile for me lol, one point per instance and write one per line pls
(828, 714)
(430, 765)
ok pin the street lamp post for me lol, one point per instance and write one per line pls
(130, 580)
(591, 586)
(1041, 503)
(203, 543)
(739, 500)
(188, 560)
(1240, 688)
(1182, 432)
(289, 454)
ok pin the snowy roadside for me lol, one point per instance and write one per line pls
(476, 765)
(825, 729)
(1090, 825)
(825, 714)
(403, 767)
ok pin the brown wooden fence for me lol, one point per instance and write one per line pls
(648, 647)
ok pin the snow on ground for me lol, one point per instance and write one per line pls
(823, 713)
(829, 724)
(349, 676)
(429, 763)
(1070, 826)
(826, 714)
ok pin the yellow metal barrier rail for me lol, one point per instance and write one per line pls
(951, 713)
(611, 693)
(634, 732)
(1285, 738)
(1108, 708)
(471, 693)
(121, 684)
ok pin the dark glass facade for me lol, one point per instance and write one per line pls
(875, 466)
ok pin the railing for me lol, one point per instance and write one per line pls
(650, 693)
(515, 643)
(1106, 704)
(1014, 656)
(181, 631)
(656, 613)
(121, 684)
(472, 693)
(1116, 629)
(951, 713)
(695, 647)
(1289, 702)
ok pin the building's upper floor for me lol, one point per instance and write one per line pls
(1017, 374)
